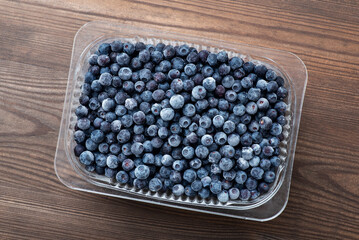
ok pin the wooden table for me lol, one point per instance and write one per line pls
(35, 49)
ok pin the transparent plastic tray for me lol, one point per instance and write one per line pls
(72, 174)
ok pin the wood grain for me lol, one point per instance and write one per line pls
(35, 49)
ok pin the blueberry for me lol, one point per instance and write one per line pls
(108, 104)
(281, 107)
(263, 187)
(220, 138)
(79, 149)
(177, 101)
(123, 136)
(128, 48)
(123, 59)
(242, 164)
(202, 55)
(202, 172)
(215, 169)
(122, 177)
(130, 103)
(275, 161)
(224, 69)
(126, 121)
(272, 86)
(164, 66)
(229, 175)
(270, 75)
(174, 74)
(103, 60)
(196, 185)
(256, 149)
(245, 195)
(145, 75)
(197, 80)
(158, 95)
(89, 77)
(178, 165)
(195, 163)
(262, 104)
(225, 164)
(103, 148)
(204, 193)
(100, 160)
(265, 164)
(91, 145)
(234, 193)
(93, 59)
(272, 114)
(167, 160)
(79, 136)
(155, 185)
(229, 127)
(105, 127)
(233, 139)
(260, 70)
(110, 117)
(220, 91)
(230, 96)
(175, 176)
(235, 63)
(112, 161)
(246, 82)
(223, 196)
(223, 104)
(174, 140)
(239, 110)
(207, 140)
(242, 97)
(276, 129)
(192, 138)
(190, 69)
(199, 92)
(120, 110)
(253, 126)
(268, 151)
(214, 157)
(262, 85)
(110, 173)
(251, 183)
(207, 71)
(201, 151)
(222, 57)
(178, 190)
(246, 139)
(97, 136)
(165, 172)
(139, 183)
(167, 114)
(205, 122)
(269, 176)
(257, 173)
(209, 84)
(216, 187)
(228, 81)
(142, 172)
(104, 48)
(282, 93)
(189, 175)
(239, 73)
(265, 123)
(206, 181)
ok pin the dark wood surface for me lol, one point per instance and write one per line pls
(35, 49)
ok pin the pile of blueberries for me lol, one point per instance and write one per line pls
(172, 118)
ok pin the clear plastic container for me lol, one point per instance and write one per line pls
(72, 174)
